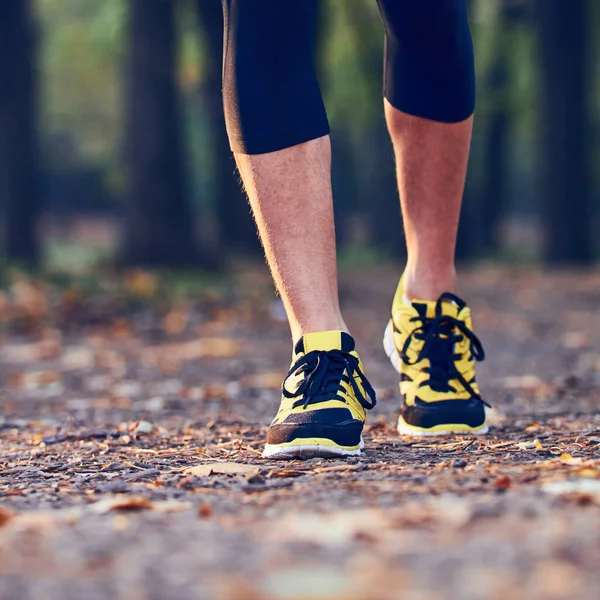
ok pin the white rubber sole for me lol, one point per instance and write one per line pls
(304, 451)
(403, 427)
(451, 429)
(390, 348)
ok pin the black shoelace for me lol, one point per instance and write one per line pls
(324, 371)
(440, 335)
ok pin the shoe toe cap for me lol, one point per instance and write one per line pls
(335, 424)
(444, 412)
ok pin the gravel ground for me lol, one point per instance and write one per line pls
(131, 432)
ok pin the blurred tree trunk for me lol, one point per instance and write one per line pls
(377, 155)
(468, 239)
(565, 119)
(159, 227)
(495, 155)
(383, 198)
(236, 225)
(19, 168)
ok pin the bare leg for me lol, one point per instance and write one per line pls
(290, 194)
(431, 163)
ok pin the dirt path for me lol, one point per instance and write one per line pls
(130, 461)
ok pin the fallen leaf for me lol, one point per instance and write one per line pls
(286, 473)
(224, 468)
(538, 445)
(205, 510)
(216, 390)
(532, 427)
(503, 482)
(123, 503)
(526, 445)
(380, 426)
(567, 459)
(588, 472)
(5, 516)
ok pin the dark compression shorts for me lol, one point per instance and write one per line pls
(271, 94)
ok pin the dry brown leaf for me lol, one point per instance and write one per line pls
(122, 503)
(337, 468)
(533, 427)
(582, 490)
(567, 459)
(5, 516)
(286, 473)
(205, 510)
(503, 482)
(526, 445)
(378, 426)
(582, 498)
(224, 468)
(588, 472)
(215, 390)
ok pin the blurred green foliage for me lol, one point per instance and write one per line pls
(82, 53)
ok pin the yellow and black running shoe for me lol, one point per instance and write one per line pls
(324, 401)
(433, 347)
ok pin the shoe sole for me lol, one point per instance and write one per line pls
(405, 428)
(313, 448)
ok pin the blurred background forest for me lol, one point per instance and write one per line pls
(113, 147)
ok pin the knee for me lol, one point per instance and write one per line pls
(396, 120)
(270, 90)
(430, 68)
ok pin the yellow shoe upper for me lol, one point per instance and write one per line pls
(325, 394)
(437, 349)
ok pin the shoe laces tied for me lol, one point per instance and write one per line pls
(440, 335)
(324, 371)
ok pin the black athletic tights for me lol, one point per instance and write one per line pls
(271, 95)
